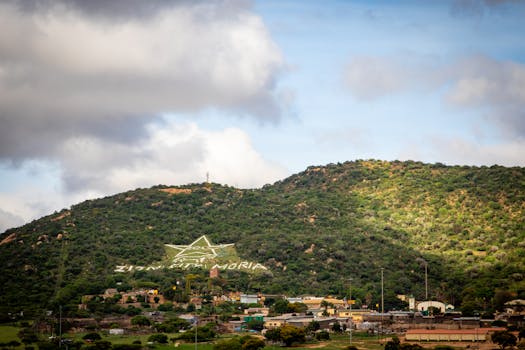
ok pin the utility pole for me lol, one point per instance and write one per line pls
(382, 294)
(60, 326)
(426, 281)
(382, 299)
(196, 326)
(351, 320)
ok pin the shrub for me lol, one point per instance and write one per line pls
(158, 338)
(322, 335)
(92, 336)
(127, 347)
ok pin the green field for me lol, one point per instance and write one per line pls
(361, 340)
(9, 333)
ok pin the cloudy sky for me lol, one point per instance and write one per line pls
(98, 97)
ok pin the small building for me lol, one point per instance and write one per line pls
(257, 310)
(294, 300)
(424, 306)
(249, 299)
(116, 331)
(300, 322)
(454, 335)
(277, 321)
(355, 314)
(233, 326)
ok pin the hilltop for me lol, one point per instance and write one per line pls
(312, 231)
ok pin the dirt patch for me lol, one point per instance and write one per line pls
(8, 239)
(172, 190)
(61, 216)
(314, 346)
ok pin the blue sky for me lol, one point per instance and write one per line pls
(103, 97)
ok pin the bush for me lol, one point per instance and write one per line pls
(127, 347)
(140, 320)
(165, 307)
(322, 335)
(158, 338)
(253, 344)
(92, 336)
(228, 344)
(350, 347)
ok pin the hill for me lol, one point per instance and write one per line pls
(312, 232)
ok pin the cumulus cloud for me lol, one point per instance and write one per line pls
(371, 77)
(492, 87)
(104, 70)
(173, 153)
(464, 152)
(8, 220)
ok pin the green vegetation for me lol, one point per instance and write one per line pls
(504, 339)
(313, 230)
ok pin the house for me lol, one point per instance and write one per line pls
(232, 326)
(355, 314)
(277, 321)
(325, 322)
(300, 322)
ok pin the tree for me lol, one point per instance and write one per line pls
(280, 306)
(100, 345)
(28, 336)
(228, 344)
(273, 334)
(521, 334)
(392, 344)
(297, 308)
(504, 339)
(336, 327)
(313, 326)
(322, 335)
(256, 325)
(291, 334)
(253, 344)
(92, 336)
(158, 338)
(140, 320)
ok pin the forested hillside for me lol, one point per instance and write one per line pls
(313, 230)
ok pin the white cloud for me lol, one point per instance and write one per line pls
(457, 150)
(463, 152)
(173, 154)
(8, 220)
(74, 75)
(372, 77)
(492, 88)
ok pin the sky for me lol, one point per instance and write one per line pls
(100, 97)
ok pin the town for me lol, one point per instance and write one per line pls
(146, 311)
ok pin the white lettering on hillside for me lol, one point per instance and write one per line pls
(185, 265)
